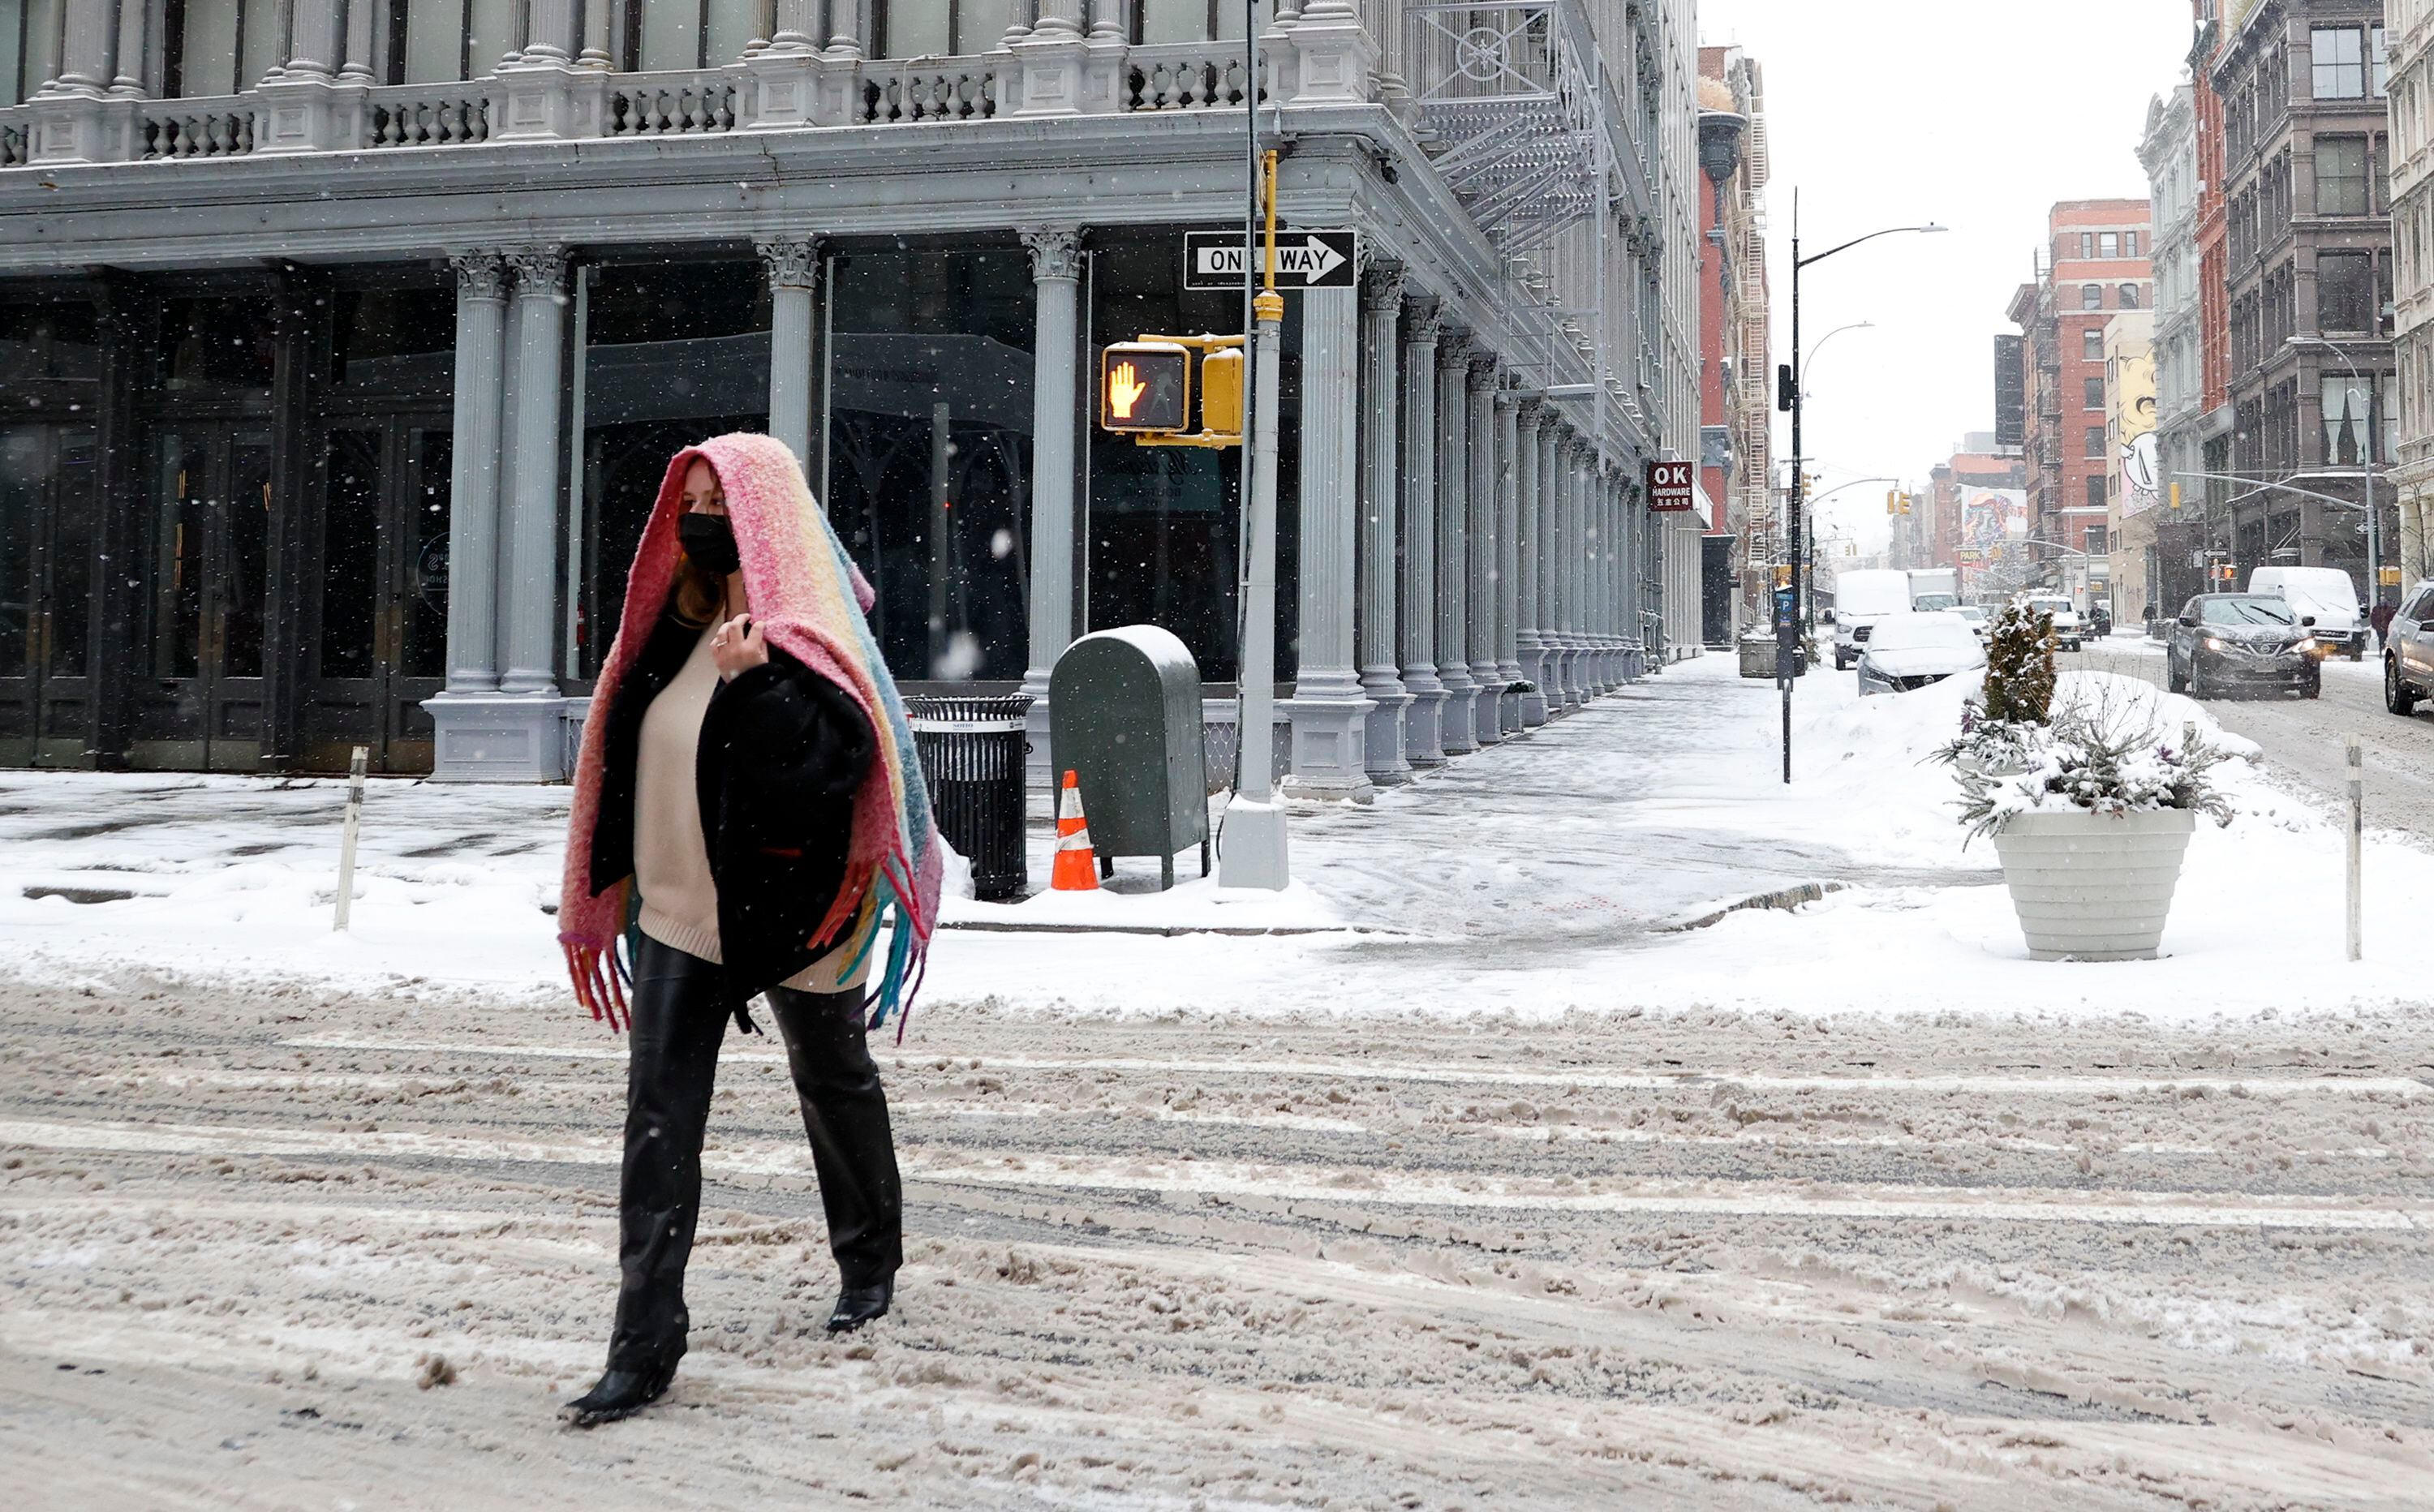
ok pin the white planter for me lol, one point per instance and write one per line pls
(2090, 886)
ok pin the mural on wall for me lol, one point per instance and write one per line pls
(1992, 522)
(2139, 467)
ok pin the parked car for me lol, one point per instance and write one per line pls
(2408, 652)
(2325, 592)
(2226, 640)
(1979, 621)
(2065, 618)
(1908, 651)
(1861, 599)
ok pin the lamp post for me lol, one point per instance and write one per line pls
(1818, 351)
(1786, 637)
(2375, 421)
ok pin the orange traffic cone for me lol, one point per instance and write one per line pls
(1077, 867)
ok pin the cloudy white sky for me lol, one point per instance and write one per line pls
(1979, 117)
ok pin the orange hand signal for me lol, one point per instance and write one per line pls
(1124, 389)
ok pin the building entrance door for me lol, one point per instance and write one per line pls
(380, 637)
(47, 506)
(205, 536)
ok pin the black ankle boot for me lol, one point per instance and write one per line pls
(621, 1393)
(857, 1305)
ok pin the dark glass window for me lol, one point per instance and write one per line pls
(2108, 244)
(2095, 486)
(2091, 296)
(50, 338)
(2344, 290)
(2129, 297)
(2093, 393)
(2094, 441)
(2091, 344)
(221, 347)
(929, 452)
(395, 340)
(350, 507)
(2341, 176)
(2339, 57)
(673, 353)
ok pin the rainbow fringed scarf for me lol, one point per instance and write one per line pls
(809, 599)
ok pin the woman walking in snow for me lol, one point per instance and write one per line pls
(746, 808)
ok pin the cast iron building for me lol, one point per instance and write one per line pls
(2412, 227)
(2170, 543)
(2310, 273)
(342, 344)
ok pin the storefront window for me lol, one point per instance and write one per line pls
(55, 338)
(1162, 538)
(929, 462)
(225, 347)
(396, 341)
(670, 355)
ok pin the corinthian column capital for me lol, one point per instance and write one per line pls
(1055, 252)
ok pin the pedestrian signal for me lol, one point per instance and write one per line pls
(1145, 386)
(1221, 391)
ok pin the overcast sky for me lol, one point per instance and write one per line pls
(1892, 113)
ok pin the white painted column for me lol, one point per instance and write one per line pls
(1529, 615)
(1382, 303)
(793, 274)
(1423, 726)
(473, 474)
(529, 590)
(1057, 294)
(134, 23)
(1508, 561)
(88, 47)
(1487, 728)
(1328, 713)
(1454, 544)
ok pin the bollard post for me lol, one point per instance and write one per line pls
(347, 835)
(2357, 838)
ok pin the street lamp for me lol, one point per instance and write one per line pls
(1787, 634)
(1815, 352)
(2375, 421)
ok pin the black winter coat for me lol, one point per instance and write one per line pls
(782, 752)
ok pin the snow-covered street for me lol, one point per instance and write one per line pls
(1436, 1204)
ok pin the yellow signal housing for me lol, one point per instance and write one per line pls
(1145, 386)
(2176, 496)
(1221, 391)
(1893, 501)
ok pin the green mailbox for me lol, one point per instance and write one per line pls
(1124, 715)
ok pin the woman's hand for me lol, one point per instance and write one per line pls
(738, 646)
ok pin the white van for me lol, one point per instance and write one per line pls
(1861, 598)
(2325, 592)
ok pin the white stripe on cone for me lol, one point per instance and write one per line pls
(1078, 841)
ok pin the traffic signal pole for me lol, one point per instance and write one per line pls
(1251, 846)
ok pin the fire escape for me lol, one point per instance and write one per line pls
(1528, 130)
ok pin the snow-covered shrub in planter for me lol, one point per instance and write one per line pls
(2091, 812)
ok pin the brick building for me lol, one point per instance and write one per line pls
(1963, 529)
(2093, 264)
(1737, 375)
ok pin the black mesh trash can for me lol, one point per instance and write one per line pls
(971, 752)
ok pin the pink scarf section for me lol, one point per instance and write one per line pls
(809, 599)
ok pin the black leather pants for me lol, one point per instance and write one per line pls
(677, 1024)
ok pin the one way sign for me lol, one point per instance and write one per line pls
(1305, 260)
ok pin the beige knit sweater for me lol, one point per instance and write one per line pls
(671, 867)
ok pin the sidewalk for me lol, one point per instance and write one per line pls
(1534, 878)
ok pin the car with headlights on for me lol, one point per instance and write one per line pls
(2222, 641)
(1909, 651)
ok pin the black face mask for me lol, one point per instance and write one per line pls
(709, 540)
